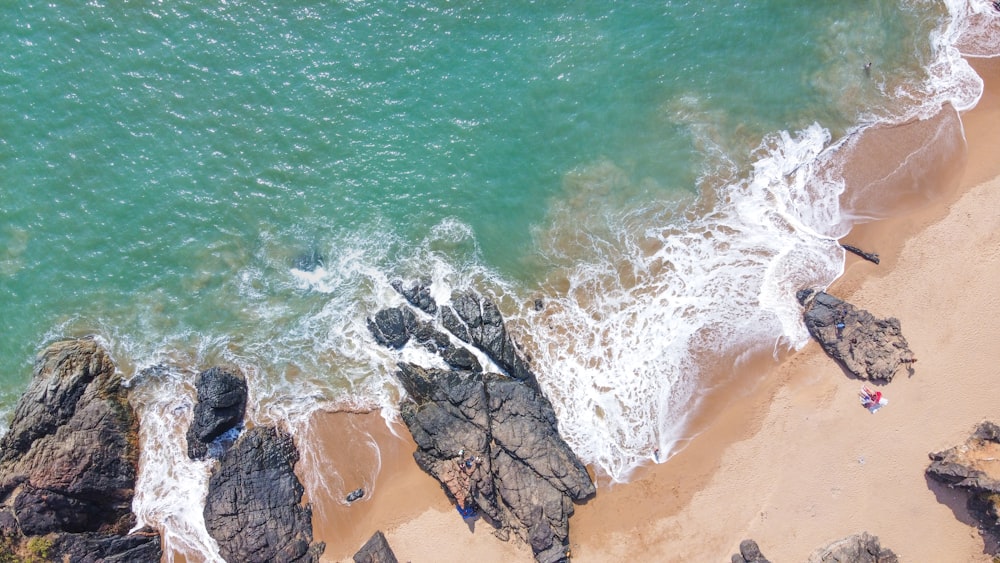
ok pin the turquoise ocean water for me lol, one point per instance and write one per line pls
(662, 174)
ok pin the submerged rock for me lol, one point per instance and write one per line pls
(68, 463)
(375, 550)
(309, 261)
(867, 347)
(972, 466)
(222, 401)
(253, 508)
(859, 548)
(492, 439)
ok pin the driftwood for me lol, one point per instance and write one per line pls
(871, 257)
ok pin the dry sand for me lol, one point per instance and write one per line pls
(792, 461)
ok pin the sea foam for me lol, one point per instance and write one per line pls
(620, 343)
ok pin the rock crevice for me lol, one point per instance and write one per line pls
(491, 439)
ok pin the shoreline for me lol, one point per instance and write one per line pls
(785, 458)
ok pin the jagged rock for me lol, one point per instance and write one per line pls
(253, 508)
(354, 495)
(375, 550)
(493, 442)
(418, 295)
(749, 553)
(392, 328)
(435, 341)
(68, 462)
(141, 546)
(859, 548)
(491, 439)
(478, 321)
(867, 347)
(222, 401)
(973, 467)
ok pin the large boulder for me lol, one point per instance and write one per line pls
(393, 327)
(68, 463)
(492, 439)
(859, 548)
(867, 347)
(972, 467)
(254, 505)
(749, 553)
(375, 550)
(222, 401)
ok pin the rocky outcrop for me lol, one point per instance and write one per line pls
(859, 548)
(375, 550)
(975, 467)
(478, 322)
(218, 414)
(867, 347)
(68, 463)
(418, 295)
(491, 439)
(749, 553)
(254, 505)
(394, 327)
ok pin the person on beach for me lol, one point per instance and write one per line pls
(872, 400)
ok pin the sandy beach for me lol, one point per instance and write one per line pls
(785, 454)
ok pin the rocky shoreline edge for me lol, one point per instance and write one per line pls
(483, 429)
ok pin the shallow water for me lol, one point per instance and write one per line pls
(664, 177)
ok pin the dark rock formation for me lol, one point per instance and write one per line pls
(68, 462)
(392, 328)
(418, 294)
(375, 550)
(749, 553)
(141, 546)
(354, 495)
(253, 508)
(492, 439)
(859, 548)
(222, 401)
(974, 467)
(867, 347)
(478, 322)
(435, 341)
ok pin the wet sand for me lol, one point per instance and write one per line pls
(782, 451)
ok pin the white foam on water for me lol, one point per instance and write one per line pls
(616, 347)
(617, 354)
(171, 488)
(321, 474)
(973, 30)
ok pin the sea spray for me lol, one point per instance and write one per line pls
(636, 290)
(618, 351)
(171, 487)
